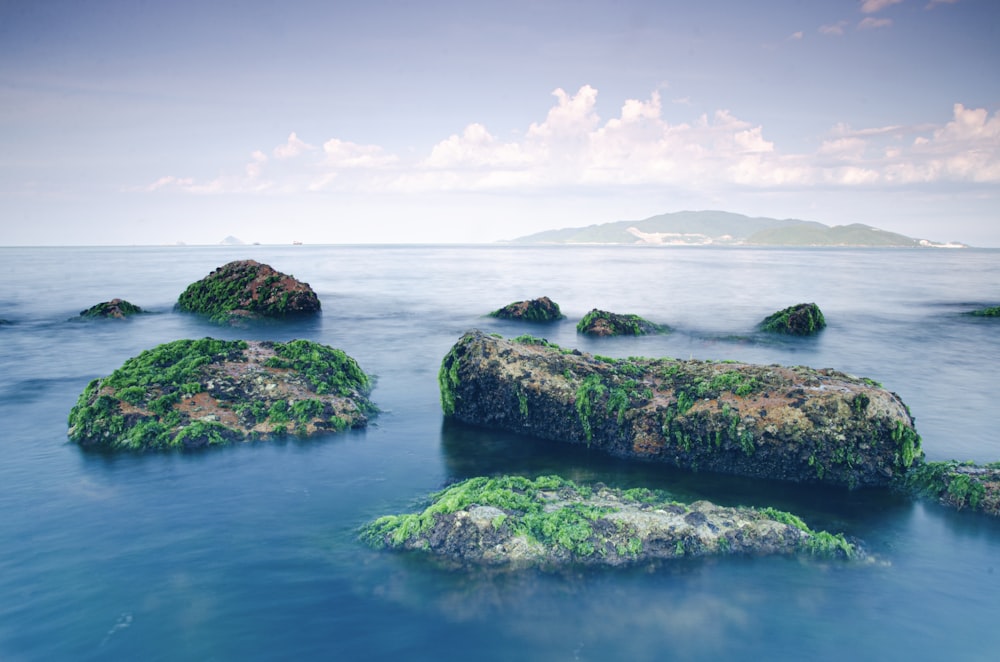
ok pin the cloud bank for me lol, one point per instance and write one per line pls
(574, 147)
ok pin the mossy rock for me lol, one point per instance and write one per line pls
(958, 485)
(191, 393)
(602, 323)
(793, 423)
(802, 319)
(993, 311)
(550, 522)
(542, 309)
(116, 308)
(245, 290)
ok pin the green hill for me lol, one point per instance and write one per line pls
(697, 228)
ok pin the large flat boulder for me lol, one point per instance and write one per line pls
(191, 393)
(550, 522)
(769, 421)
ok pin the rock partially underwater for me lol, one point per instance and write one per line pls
(803, 319)
(248, 290)
(191, 393)
(769, 421)
(602, 323)
(115, 309)
(993, 311)
(542, 309)
(549, 522)
(958, 485)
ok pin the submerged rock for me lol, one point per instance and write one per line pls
(957, 485)
(542, 309)
(769, 421)
(803, 319)
(116, 308)
(550, 522)
(993, 311)
(602, 323)
(247, 289)
(190, 393)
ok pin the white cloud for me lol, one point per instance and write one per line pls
(870, 23)
(873, 6)
(834, 29)
(574, 148)
(292, 147)
(795, 36)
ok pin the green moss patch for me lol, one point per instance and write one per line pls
(116, 308)
(959, 485)
(993, 311)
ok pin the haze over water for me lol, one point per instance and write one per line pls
(250, 552)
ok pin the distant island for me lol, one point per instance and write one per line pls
(719, 228)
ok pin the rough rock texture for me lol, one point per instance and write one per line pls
(190, 393)
(957, 485)
(789, 423)
(803, 319)
(550, 522)
(247, 289)
(116, 308)
(602, 323)
(542, 309)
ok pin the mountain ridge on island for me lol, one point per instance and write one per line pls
(720, 228)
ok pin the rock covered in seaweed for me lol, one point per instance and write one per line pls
(957, 485)
(551, 522)
(993, 311)
(602, 323)
(542, 309)
(769, 421)
(247, 289)
(191, 393)
(803, 319)
(116, 308)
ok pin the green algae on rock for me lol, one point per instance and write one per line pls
(116, 309)
(542, 309)
(787, 423)
(191, 393)
(551, 522)
(602, 323)
(958, 485)
(245, 290)
(993, 311)
(803, 319)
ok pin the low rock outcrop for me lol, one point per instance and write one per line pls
(958, 485)
(550, 522)
(116, 308)
(803, 319)
(191, 393)
(788, 423)
(602, 323)
(542, 309)
(993, 311)
(245, 290)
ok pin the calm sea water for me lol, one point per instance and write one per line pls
(249, 552)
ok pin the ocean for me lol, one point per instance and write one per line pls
(249, 552)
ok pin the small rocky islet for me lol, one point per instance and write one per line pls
(113, 309)
(542, 309)
(803, 319)
(193, 393)
(550, 522)
(246, 290)
(603, 323)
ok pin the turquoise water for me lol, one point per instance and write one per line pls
(249, 552)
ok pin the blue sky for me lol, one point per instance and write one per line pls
(145, 122)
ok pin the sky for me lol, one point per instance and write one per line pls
(146, 122)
